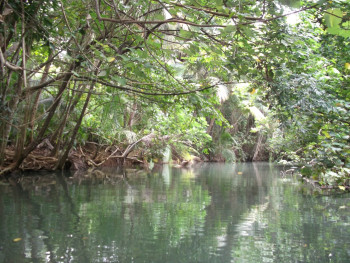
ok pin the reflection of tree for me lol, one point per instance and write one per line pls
(28, 224)
(297, 228)
(150, 216)
(178, 212)
(213, 213)
(234, 189)
(42, 221)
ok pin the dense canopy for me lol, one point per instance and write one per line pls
(222, 79)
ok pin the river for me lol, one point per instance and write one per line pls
(208, 213)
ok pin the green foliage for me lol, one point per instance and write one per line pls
(312, 103)
(334, 22)
(153, 67)
(238, 140)
(185, 130)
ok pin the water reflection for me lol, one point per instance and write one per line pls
(210, 213)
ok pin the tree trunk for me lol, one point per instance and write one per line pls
(7, 119)
(36, 100)
(41, 133)
(132, 116)
(258, 147)
(211, 125)
(62, 161)
(56, 137)
(21, 136)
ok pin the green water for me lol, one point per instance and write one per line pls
(210, 213)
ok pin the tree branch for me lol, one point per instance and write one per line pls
(206, 10)
(43, 85)
(127, 89)
(8, 64)
(140, 22)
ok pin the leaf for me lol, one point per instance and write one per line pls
(232, 14)
(347, 66)
(341, 187)
(326, 134)
(120, 80)
(333, 17)
(173, 12)
(125, 58)
(75, 73)
(139, 73)
(17, 239)
(185, 33)
(229, 29)
(248, 31)
(337, 30)
(102, 73)
(110, 59)
(291, 3)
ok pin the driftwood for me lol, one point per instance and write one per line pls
(98, 162)
(45, 144)
(146, 139)
(81, 158)
(105, 159)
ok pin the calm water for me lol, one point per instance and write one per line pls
(211, 213)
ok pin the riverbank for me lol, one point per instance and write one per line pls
(80, 158)
(90, 155)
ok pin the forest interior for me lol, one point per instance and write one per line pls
(98, 83)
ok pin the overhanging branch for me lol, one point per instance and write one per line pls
(133, 90)
(143, 22)
(43, 85)
(251, 20)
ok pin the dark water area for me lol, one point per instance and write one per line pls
(210, 213)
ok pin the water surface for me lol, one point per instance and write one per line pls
(210, 213)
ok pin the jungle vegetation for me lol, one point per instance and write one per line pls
(225, 80)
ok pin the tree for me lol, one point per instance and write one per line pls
(98, 56)
(311, 98)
